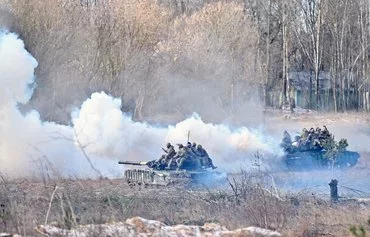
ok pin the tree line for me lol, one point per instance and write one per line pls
(173, 57)
(318, 37)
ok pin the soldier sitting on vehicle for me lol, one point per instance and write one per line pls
(170, 153)
(316, 144)
(191, 151)
(186, 158)
(206, 161)
(286, 143)
(297, 142)
(325, 134)
(317, 132)
(304, 134)
(306, 145)
(313, 139)
(181, 156)
(194, 147)
(173, 161)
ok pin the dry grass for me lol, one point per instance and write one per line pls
(26, 203)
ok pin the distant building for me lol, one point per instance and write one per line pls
(300, 84)
(302, 89)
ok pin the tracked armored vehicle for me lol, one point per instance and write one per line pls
(313, 159)
(148, 173)
(317, 149)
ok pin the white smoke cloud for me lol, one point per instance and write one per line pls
(16, 68)
(106, 132)
(28, 145)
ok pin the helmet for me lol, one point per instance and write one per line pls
(199, 146)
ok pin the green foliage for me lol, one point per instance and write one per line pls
(342, 144)
(333, 148)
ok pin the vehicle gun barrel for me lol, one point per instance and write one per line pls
(140, 163)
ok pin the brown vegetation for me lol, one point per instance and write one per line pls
(177, 57)
(68, 203)
(146, 53)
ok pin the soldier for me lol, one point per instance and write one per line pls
(173, 160)
(286, 143)
(325, 132)
(194, 147)
(195, 161)
(308, 142)
(181, 156)
(206, 160)
(304, 134)
(297, 142)
(182, 148)
(316, 144)
(287, 139)
(325, 136)
(190, 150)
(170, 151)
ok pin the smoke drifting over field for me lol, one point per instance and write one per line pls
(29, 146)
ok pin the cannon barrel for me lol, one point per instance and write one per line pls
(141, 163)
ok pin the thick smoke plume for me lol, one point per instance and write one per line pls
(100, 133)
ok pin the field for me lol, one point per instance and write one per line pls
(25, 204)
(295, 203)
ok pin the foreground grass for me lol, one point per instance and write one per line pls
(240, 203)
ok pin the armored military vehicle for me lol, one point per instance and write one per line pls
(317, 149)
(148, 174)
(313, 159)
(158, 172)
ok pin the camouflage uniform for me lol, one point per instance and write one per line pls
(308, 142)
(317, 139)
(286, 143)
(181, 156)
(206, 161)
(170, 152)
(192, 154)
(173, 160)
(194, 147)
(325, 133)
(190, 158)
(304, 134)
